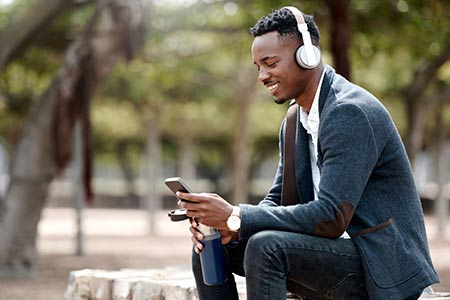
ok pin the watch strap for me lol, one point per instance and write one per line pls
(236, 211)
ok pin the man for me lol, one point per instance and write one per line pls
(357, 231)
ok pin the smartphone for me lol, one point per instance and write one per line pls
(176, 184)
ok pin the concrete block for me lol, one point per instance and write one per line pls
(152, 284)
(155, 284)
(435, 296)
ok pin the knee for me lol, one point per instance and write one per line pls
(263, 241)
(260, 246)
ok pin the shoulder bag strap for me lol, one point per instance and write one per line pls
(289, 194)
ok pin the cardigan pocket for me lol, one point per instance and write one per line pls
(373, 228)
(386, 256)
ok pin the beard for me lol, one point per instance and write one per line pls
(280, 101)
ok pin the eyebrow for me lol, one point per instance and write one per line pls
(265, 59)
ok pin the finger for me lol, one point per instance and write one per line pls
(191, 213)
(181, 195)
(196, 243)
(197, 250)
(196, 197)
(185, 204)
(192, 209)
(197, 234)
(225, 240)
(194, 222)
(188, 196)
(212, 195)
(193, 230)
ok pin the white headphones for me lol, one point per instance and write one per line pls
(307, 56)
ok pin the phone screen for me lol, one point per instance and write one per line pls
(176, 184)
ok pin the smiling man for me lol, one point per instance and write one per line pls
(279, 72)
(352, 226)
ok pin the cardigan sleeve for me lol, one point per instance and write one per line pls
(348, 155)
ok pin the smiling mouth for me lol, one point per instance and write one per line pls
(272, 87)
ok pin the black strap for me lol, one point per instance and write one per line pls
(289, 194)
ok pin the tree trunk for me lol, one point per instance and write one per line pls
(186, 158)
(417, 104)
(33, 168)
(154, 198)
(415, 124)
(340, 36)
(127, 171)
(239, 179)
(441, 168)
(240, 152)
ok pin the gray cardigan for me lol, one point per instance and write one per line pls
(366, 189)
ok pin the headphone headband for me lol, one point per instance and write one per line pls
(311, 57)
(297, 14)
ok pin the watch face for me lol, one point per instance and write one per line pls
(234, 223)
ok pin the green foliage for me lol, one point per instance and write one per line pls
(29, 75)
(12, 9)
(197, 60)
(393, 39)
(21, 85)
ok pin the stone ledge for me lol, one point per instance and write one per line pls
(435, 296)
(127, 284)
(152, 284)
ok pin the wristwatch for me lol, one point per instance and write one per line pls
(234, 220)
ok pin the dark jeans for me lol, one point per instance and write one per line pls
(275, 262)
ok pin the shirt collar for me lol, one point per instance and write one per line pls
(310, 121)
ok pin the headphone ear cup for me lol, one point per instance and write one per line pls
(300, 56)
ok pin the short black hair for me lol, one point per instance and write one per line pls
(284, 22)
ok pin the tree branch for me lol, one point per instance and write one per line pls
(20, 32)
(426, 73)
(440, 98)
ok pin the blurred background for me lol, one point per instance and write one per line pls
(102, 100)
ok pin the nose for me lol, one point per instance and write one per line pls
(263, 75)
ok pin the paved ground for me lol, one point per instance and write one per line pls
(120, 239)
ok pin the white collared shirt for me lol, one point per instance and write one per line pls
(310, 121)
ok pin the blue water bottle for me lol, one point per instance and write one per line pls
(212, 258)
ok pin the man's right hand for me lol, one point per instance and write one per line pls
(197, 236)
